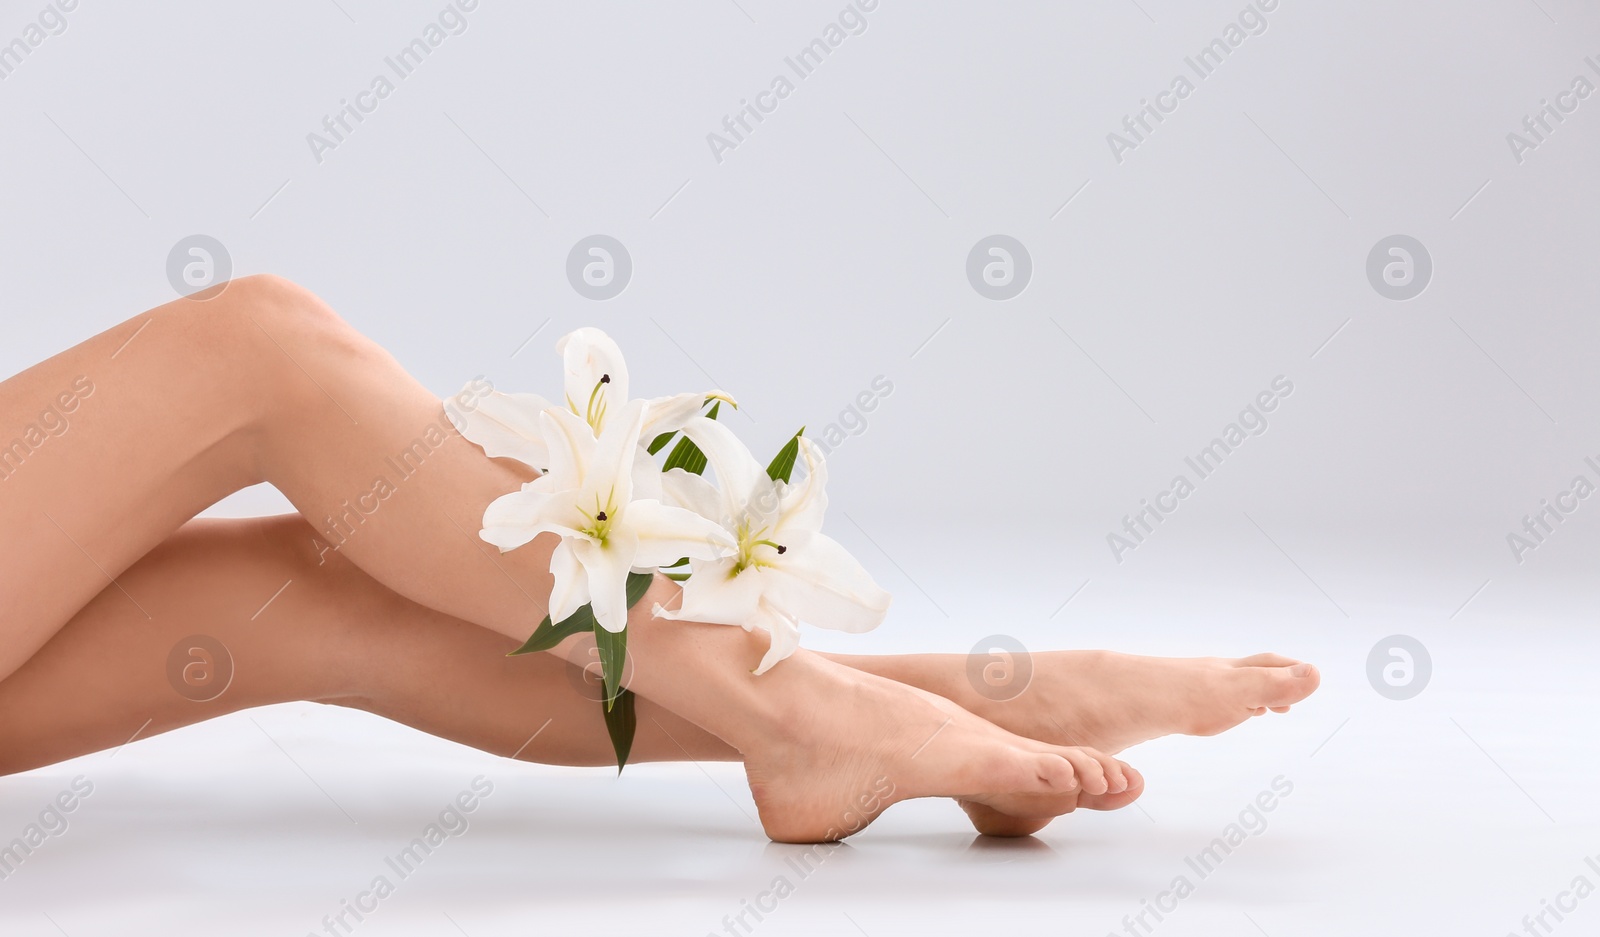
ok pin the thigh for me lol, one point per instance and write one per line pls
(248, 613)
(107, 448)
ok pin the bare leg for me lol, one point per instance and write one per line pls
(332, 635)
(1106, 700)
(263, 383)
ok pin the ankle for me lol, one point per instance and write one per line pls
(704, 672)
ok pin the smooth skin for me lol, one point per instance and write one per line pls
(332, 634)
(259, 381)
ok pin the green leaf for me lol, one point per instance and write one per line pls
(621, 718)
(638, 585)
(547, 636)
(613, 647)
(682, 561)
(618, 704)
(621, 721)
(783, 463)
(660, 442)
(687, 456)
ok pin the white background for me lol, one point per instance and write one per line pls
(830, 248)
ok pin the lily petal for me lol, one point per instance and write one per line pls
(587, 355)
(514, 519)
(744, 484)
(506, 426)
(571, 444)
(611, 469)
(667, 533)
(804, 503)
(714, 594)
(668, 414)
(646, 475)
(785, 633)
(680, 488)
(607, 566)
(819, 582)
(571, 590)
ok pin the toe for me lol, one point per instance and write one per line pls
(1265, 660)
(1117, 800)
(1091, 772)
(1275, 686)
(1018, 771)
(995, 766)
(1111, 769)
(1061, 774)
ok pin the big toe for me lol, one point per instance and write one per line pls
(1265, 660)
(1278, 685)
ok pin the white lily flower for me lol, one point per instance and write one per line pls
(784, 570)
(587, 497)
(596, 387)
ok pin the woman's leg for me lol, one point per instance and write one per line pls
(332, 635)
(1103, 699)
(261, 382)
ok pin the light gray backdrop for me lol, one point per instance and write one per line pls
(1174, 276)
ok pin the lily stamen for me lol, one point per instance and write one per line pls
(594, 415)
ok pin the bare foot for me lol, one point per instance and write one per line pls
(837, 767)
(1110, 701)
(1027, 814)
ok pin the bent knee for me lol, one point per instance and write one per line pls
(278, 333)
(235, 317)
(281, 308)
